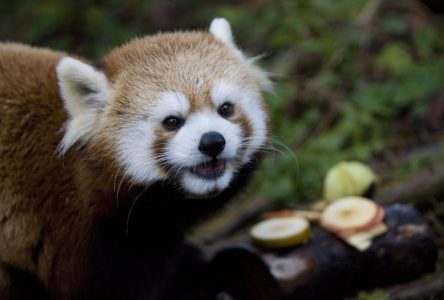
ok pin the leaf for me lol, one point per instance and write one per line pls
(394, 58)
(374, 295)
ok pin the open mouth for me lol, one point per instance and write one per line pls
(210, 170)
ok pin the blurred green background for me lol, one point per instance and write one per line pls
(361, 79)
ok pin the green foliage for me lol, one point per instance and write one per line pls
(375, 295)
(394, 58)
(410, 70)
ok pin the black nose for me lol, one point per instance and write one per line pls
(212, 143)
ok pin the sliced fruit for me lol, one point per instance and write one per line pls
(348, 178)
(351, 214)
(379, 216)
(281, 232)
(363, 240)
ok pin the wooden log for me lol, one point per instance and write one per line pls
(240, 273)
(327, 268)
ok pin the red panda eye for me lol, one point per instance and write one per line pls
(172, 123)
(226, 109)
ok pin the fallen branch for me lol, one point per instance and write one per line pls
(417, 188)
(424, 288)
(429, 287)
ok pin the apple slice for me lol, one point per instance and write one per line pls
(351, 214)
(348, 178)
(280, 232)
(379, 216)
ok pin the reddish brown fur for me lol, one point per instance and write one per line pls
(32, 116)
(198, 57)
(45, 198)
(240, 118)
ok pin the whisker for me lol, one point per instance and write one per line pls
(118, 189)
(289, 151)
(131, 208)
(115, 179)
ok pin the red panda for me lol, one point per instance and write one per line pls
(102, 169)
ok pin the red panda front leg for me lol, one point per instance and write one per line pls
(5, 284)
(19, 285)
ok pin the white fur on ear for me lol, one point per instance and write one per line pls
(221, 30)
(261, 76)
(81, 86)
(84, 91)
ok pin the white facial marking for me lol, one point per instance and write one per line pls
(136, 155)
(135, 142)
(199, 186)
(169, 104)
(183, 151)
(249, 102)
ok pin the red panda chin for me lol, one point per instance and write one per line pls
(195, 185)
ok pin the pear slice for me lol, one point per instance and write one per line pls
(281, 232)
(351, 214)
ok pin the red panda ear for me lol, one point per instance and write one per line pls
(81, 86)
(84, 91)
(221, 30)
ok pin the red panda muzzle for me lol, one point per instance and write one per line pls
(210, 170)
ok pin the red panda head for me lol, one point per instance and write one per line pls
(180, 107)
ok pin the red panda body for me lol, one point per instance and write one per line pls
(94, 195)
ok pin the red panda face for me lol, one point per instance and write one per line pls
(185, 108)
(215, 142)
(199, 149)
